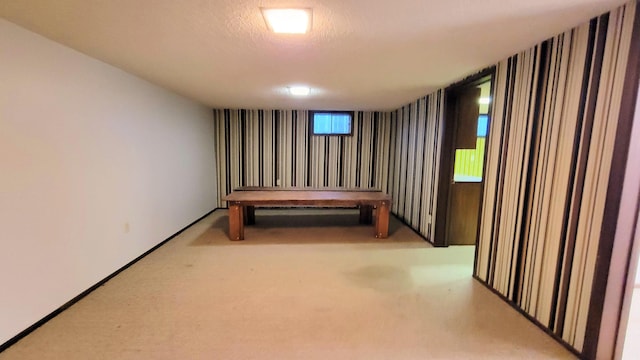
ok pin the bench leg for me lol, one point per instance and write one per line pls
(249, 215)
(366, 214)
(382, 220)
(236, 223)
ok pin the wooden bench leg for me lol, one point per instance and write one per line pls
(382, 220)
(236, 223)
(249, 215)
(366, 214)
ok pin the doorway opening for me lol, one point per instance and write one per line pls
(461, 182)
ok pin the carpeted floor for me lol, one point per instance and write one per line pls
(305, 284)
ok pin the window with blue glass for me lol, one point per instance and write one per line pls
(331, 122)
(483, 122)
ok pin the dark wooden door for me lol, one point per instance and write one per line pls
(464, 197)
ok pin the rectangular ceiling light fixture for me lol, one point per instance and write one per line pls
(484, 100)
(299, 90)
(287, 21)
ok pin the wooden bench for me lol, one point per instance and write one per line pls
(242, 203)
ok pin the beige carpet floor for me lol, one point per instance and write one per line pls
(305, 284)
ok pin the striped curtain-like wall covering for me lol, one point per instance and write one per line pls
(550, 148)
(276, 148)
(416, 138)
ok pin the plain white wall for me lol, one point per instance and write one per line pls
(85, 149)
(638, 270)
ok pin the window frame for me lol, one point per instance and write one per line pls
(339, 112)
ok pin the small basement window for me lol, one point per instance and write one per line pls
(331, 122)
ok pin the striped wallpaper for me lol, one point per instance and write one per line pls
(276, 148)
(396, 152)
(416, 137)
(550, 150)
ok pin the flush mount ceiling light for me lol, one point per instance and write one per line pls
(484, 100)
(299, 90)
(287, 21)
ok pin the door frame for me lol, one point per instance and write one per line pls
(447, 153)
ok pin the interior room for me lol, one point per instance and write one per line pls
(401, 180)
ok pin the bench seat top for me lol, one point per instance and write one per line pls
(308, 197)
(302, 188)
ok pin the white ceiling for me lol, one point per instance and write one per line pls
(360, 54)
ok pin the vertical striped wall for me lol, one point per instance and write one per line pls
(555, 114)
(549, 153)
(275, 148)
(416, 136)
(397, 152)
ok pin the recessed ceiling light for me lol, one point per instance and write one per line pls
(484, 100)
(299, 90)
(287, 21)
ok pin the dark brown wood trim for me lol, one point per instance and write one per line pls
(444, 176)
(484, 165)
(68, 304)
(472, 79)
(614, 192)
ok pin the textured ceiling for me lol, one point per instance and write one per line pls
(360, 54)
